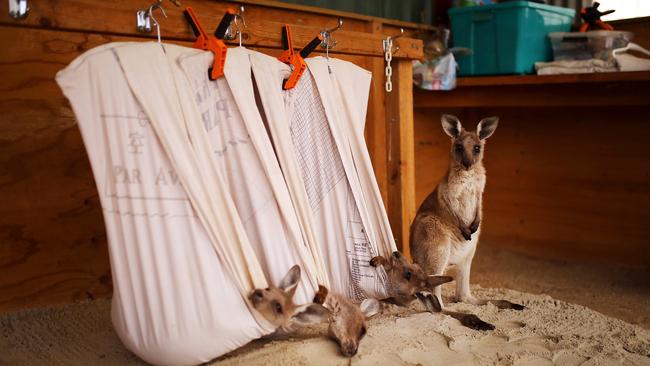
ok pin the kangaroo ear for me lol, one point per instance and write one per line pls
(380, 261)
(369, 307)
(429, 301)
(486, 127)
(310, 314)
(451, 125)
(321, 295)
(290, 280)
(433, 281)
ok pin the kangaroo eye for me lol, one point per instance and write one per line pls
(362, 332)
(408, 275)
(277, 307)
(459, 148)
(477, 149)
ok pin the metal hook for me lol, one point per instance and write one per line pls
(329, 42)
(155, 22)
(401, 33)
(237, 32)
(18, 9)
(388, 42)
(143, 16)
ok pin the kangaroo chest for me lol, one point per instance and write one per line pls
(463, 194)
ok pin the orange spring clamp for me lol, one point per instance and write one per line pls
(213, 43)
(295, 59)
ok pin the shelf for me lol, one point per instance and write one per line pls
(616, 89)
(605, 77)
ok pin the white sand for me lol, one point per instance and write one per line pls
(547, 332)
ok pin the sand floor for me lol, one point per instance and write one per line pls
(550, 331)
(620, 292)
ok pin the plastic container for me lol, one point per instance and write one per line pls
(507, 38)
(587, 45)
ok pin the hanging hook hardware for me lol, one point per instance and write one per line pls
(328, 41)
(143, 16)
(18, 9)
(235, 29)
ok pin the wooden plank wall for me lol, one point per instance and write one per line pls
(52, 237)
(564, 182)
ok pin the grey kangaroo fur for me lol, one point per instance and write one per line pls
(446, 228)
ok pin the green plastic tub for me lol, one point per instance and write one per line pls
(506, 38)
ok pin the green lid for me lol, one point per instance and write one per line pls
(513, 4)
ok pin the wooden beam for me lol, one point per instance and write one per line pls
(341, 14)
(376, 121)
(401, 164)
(263, 25)
(578, 94)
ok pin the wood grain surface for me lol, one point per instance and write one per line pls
(565, 183)
(52, 236)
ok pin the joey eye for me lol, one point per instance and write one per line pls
(477, 149)
(277, 307)
(362, 332)
(459, 148)
(408, 275)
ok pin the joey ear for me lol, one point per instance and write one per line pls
(290, 280)
(369, 307)
(310, 314)
(321, 295)
(451, 125)
(486, 127)
(433, 281)
(380, 261)
(429, 301)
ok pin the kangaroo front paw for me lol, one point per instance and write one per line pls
(377, 261)
(467, 234)
(474, 322)
(474, 227)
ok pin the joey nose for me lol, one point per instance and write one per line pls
(348, 349)
(397, 255)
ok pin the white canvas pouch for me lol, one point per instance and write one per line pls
(321, 173)
(175, 301)
(246, 158)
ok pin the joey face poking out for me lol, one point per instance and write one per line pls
(467, 146)
(277, 306)
(406, 279)
(347, 321)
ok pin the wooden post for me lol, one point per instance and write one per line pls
(376, 137)
(401, 155)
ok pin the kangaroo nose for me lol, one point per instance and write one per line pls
(349, 349)
(397, 254)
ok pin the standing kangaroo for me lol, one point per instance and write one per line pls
(445, 231)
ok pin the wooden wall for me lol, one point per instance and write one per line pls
(564, 183)
(568, 176)
(52, 237)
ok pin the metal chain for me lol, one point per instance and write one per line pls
(388, 56)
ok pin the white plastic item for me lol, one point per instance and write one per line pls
(628, 62)
(587, 45)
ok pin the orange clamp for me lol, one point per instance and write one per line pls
(295, 59)
(213, 43)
